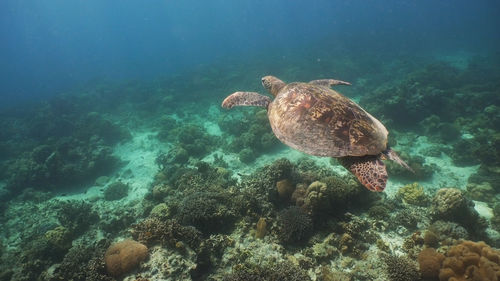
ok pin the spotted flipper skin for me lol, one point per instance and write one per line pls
(329, 82)
(369, 170)
(246, 99)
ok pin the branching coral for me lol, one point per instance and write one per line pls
(165, 232)
(209, 212)
(76, 216)
(192, 138)
(294, 225)
(401, 269)
(84, 263)
(279, 271)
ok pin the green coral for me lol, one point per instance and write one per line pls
(77, 216)
(275, 272)
(116, 191)
(295, 225)
(160, 210)
(210, 212)
(401, 268)
(451, 204)
(379, 211)
(59, 237)
(154, 230)
(413, 194)
(246, 155)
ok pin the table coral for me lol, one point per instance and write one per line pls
(471, 261)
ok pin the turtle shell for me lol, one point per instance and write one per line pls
(320, 121)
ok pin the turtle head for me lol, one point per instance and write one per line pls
(272, 84)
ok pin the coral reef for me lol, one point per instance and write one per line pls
(470, 261)
(451, 204)
(481, 192)
(153, 231)
(76, 216)
(431, 239)
(59, 237)
(449, 230)
(116, 191)
(83, 263)
(210, 212)
(251, 134)
(62, 150)
(279, 271)
(413, 194)
(356, 235)
(285, 189)
(401, 269)
(430, 263)
(295, 225)
(246, 155)
(121, 257)
(189, 139)
(205, 214)
(261, 228)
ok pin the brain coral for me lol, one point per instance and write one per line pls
(123, 256)
(471, 261)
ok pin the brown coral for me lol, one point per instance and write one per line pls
(471, 261)
(285, 189)
(430, 262)
(124, 256)
(261, 230)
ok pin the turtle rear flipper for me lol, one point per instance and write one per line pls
(369, 170)
(246, 99)
(328, 82)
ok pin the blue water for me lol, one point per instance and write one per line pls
(51, 46)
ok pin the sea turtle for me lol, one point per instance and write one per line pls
(313, 118)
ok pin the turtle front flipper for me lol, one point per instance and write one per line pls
(369, 170)
(329, 82)
(246, 99)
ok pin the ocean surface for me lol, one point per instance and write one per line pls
(119, 162)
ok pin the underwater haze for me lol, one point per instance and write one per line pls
(50, 46)
(128, 151)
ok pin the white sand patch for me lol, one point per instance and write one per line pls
(212, 128)
(394, 241)
(448, 175)
(285, 152)
(483, 210)
(459, 59)
(140, 154)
